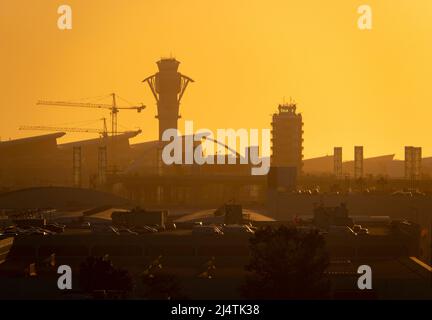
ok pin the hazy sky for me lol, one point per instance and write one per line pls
(353, 87)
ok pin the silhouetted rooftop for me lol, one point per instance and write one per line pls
(34, 139)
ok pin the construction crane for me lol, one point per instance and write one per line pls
(63, 129)
(114, 108)
(103, 132)
(69, 129)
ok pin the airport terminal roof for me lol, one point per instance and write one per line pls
(208, 216)
(126, 135)
(33, 139)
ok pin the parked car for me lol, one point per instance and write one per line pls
(206, 230)
(33, 231)
(13, 231)
(359, 230)
(341, 231)
(85, 225)
(55, 227)
(10, 233)
(236, 229)
(126, 231)
(170, 226)
(37, 233)
(363, 231)
(157, 227)
(144, 229)
(188, 224)
(79, 225)
(105, 229)
(356, 228)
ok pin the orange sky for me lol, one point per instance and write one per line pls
(353, 87)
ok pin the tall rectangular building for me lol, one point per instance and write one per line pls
(409, 162)
(287, 138)
(417, 157)
(413, 157)
(337, 162)
(358, 162)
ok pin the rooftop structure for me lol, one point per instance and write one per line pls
(168, 86)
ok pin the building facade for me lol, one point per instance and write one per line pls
(287, 138)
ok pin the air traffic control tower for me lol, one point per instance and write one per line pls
(168, 87)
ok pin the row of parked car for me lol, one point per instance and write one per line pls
(338, 231)
(108, 229)
(355, 230)
(232, 229)
(197, 229)
(237, 229)
(48, 229)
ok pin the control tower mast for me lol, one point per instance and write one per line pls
(168, 87)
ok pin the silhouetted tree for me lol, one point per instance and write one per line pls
(382, 183)
(97, 273)
(162, 287)
(286, 264)
(360, 183)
